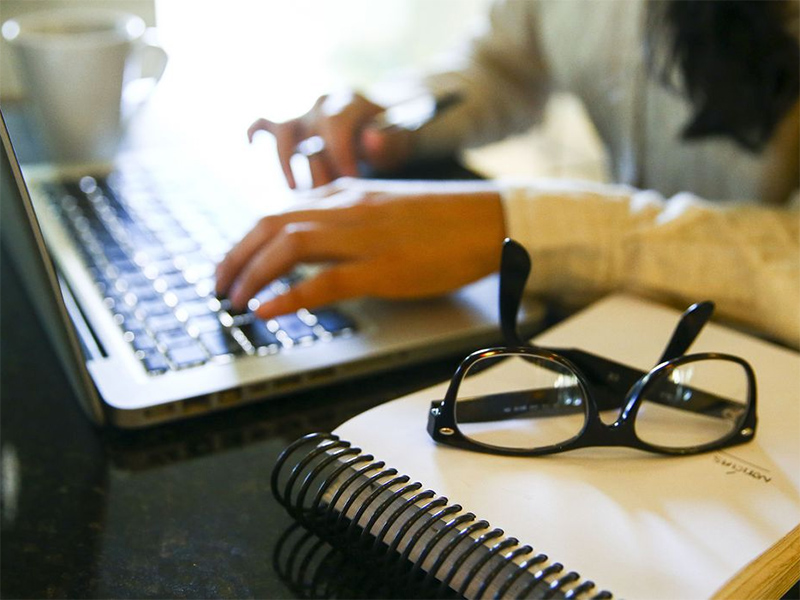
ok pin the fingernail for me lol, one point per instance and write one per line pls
(270, 309)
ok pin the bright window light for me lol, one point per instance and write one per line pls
(247, 58)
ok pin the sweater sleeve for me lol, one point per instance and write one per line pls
(501, 76)
(586, 240)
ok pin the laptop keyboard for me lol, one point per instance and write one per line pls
(157, 279)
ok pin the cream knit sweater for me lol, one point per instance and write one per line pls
(688, 222)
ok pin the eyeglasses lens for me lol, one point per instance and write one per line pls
(693, 404)
(526, 403)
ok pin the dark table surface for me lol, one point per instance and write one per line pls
(182, 510)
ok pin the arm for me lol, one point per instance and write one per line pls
(503, 77)
(418, 239)
(586, 240)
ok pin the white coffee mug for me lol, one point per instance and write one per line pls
(84, 71)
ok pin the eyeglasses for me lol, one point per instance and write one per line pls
(547, 400)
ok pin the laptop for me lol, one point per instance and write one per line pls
(119, 262)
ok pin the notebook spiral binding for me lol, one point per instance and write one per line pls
(416, 538)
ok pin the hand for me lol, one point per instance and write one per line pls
(375, 238)
(342, 124)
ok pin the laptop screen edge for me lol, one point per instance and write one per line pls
(23, 240)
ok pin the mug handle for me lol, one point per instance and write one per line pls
(153, 60)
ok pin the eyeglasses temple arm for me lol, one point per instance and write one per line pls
(688, 328)
(533, 403)
(515, 266)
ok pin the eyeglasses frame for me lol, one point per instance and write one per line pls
(443, 428)
(515, 268)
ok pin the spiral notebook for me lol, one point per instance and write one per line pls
(722, 524)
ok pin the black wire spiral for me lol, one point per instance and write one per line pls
(425, 548)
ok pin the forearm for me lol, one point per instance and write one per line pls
(502, 77)
(588, 240)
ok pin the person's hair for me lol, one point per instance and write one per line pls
(736, 61)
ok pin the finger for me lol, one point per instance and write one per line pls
(292, 246)
(238, 256)
(260, 125)
(340, 145)
(340, 131)
(287, 136)
(268, 227)
(340, 282)
(319, 160)
(322, 173)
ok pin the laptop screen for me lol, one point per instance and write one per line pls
(23, 240)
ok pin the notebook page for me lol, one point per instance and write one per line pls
(640, 525)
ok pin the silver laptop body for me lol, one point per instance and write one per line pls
(108, 308)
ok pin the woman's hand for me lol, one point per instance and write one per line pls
(335, 135)
(375, 238)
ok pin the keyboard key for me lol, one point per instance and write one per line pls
(155, 362)
(220, 342)
(185, 294)
(165, 266)
(151, 254)
(154, 307)
(203, 323)
(242, 319)
(178, 245)
(115, 255)
(138, 280)
(124, 266)
(196, 272)
(143, 342)
(259, 335)
(160, 323)
(187, 356)
(294, 328)
(224, 304)
(175, 338)
(334, 321)
(171, 281)
(125, 317)
(143, 292)
(197, 308)
(134, 329)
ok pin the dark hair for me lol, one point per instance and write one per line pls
(736, 61)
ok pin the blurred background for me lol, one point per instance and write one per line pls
(232, 61)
